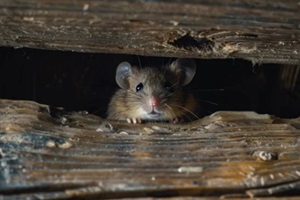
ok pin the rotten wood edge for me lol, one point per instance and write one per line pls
(262, 32)
(49, 153)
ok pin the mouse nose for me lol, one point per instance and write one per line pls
(153, 102)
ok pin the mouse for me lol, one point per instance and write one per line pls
(154, 93)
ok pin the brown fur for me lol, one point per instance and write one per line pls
(126, 102)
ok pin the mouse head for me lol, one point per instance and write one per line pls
(181, 72)
(155, 93)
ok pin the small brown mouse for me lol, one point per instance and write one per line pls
(153, 94)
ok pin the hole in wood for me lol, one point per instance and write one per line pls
(86, 81)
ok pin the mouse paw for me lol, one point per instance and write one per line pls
(177, 120)
(134, 120)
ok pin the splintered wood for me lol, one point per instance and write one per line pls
(48, 153)
(259, 31)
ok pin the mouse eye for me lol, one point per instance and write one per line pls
(169, 87)
(139, 87)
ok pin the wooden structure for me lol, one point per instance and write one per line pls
(48, 153)
(263, 32)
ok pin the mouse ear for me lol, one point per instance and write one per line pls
(122, 73)
(184, 70)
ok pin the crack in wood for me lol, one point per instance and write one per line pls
(204, 45)
(107, 164)
(289, 188)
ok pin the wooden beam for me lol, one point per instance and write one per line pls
(263, 32)
(48, 153)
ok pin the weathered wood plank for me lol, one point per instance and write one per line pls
(49, 153)
(263, 32)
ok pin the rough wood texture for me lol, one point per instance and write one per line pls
(260, 31)
(47, 153)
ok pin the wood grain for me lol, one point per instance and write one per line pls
(46, 152)
(260, 31)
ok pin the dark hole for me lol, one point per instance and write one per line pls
(85, 81)
(189, 42)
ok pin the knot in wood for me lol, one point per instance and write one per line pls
(265, 155)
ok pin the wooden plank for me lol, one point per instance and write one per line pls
(263, 32)
(48, 153)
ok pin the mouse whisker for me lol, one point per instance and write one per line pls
(186, 110)
(168, 106)
(168, 95)
(174, 116)
(139, 62)
(136, 96)
(169, 112)
(174, 84)
(165, 71)
(172, 94)
(189, 118)
(207, 101)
